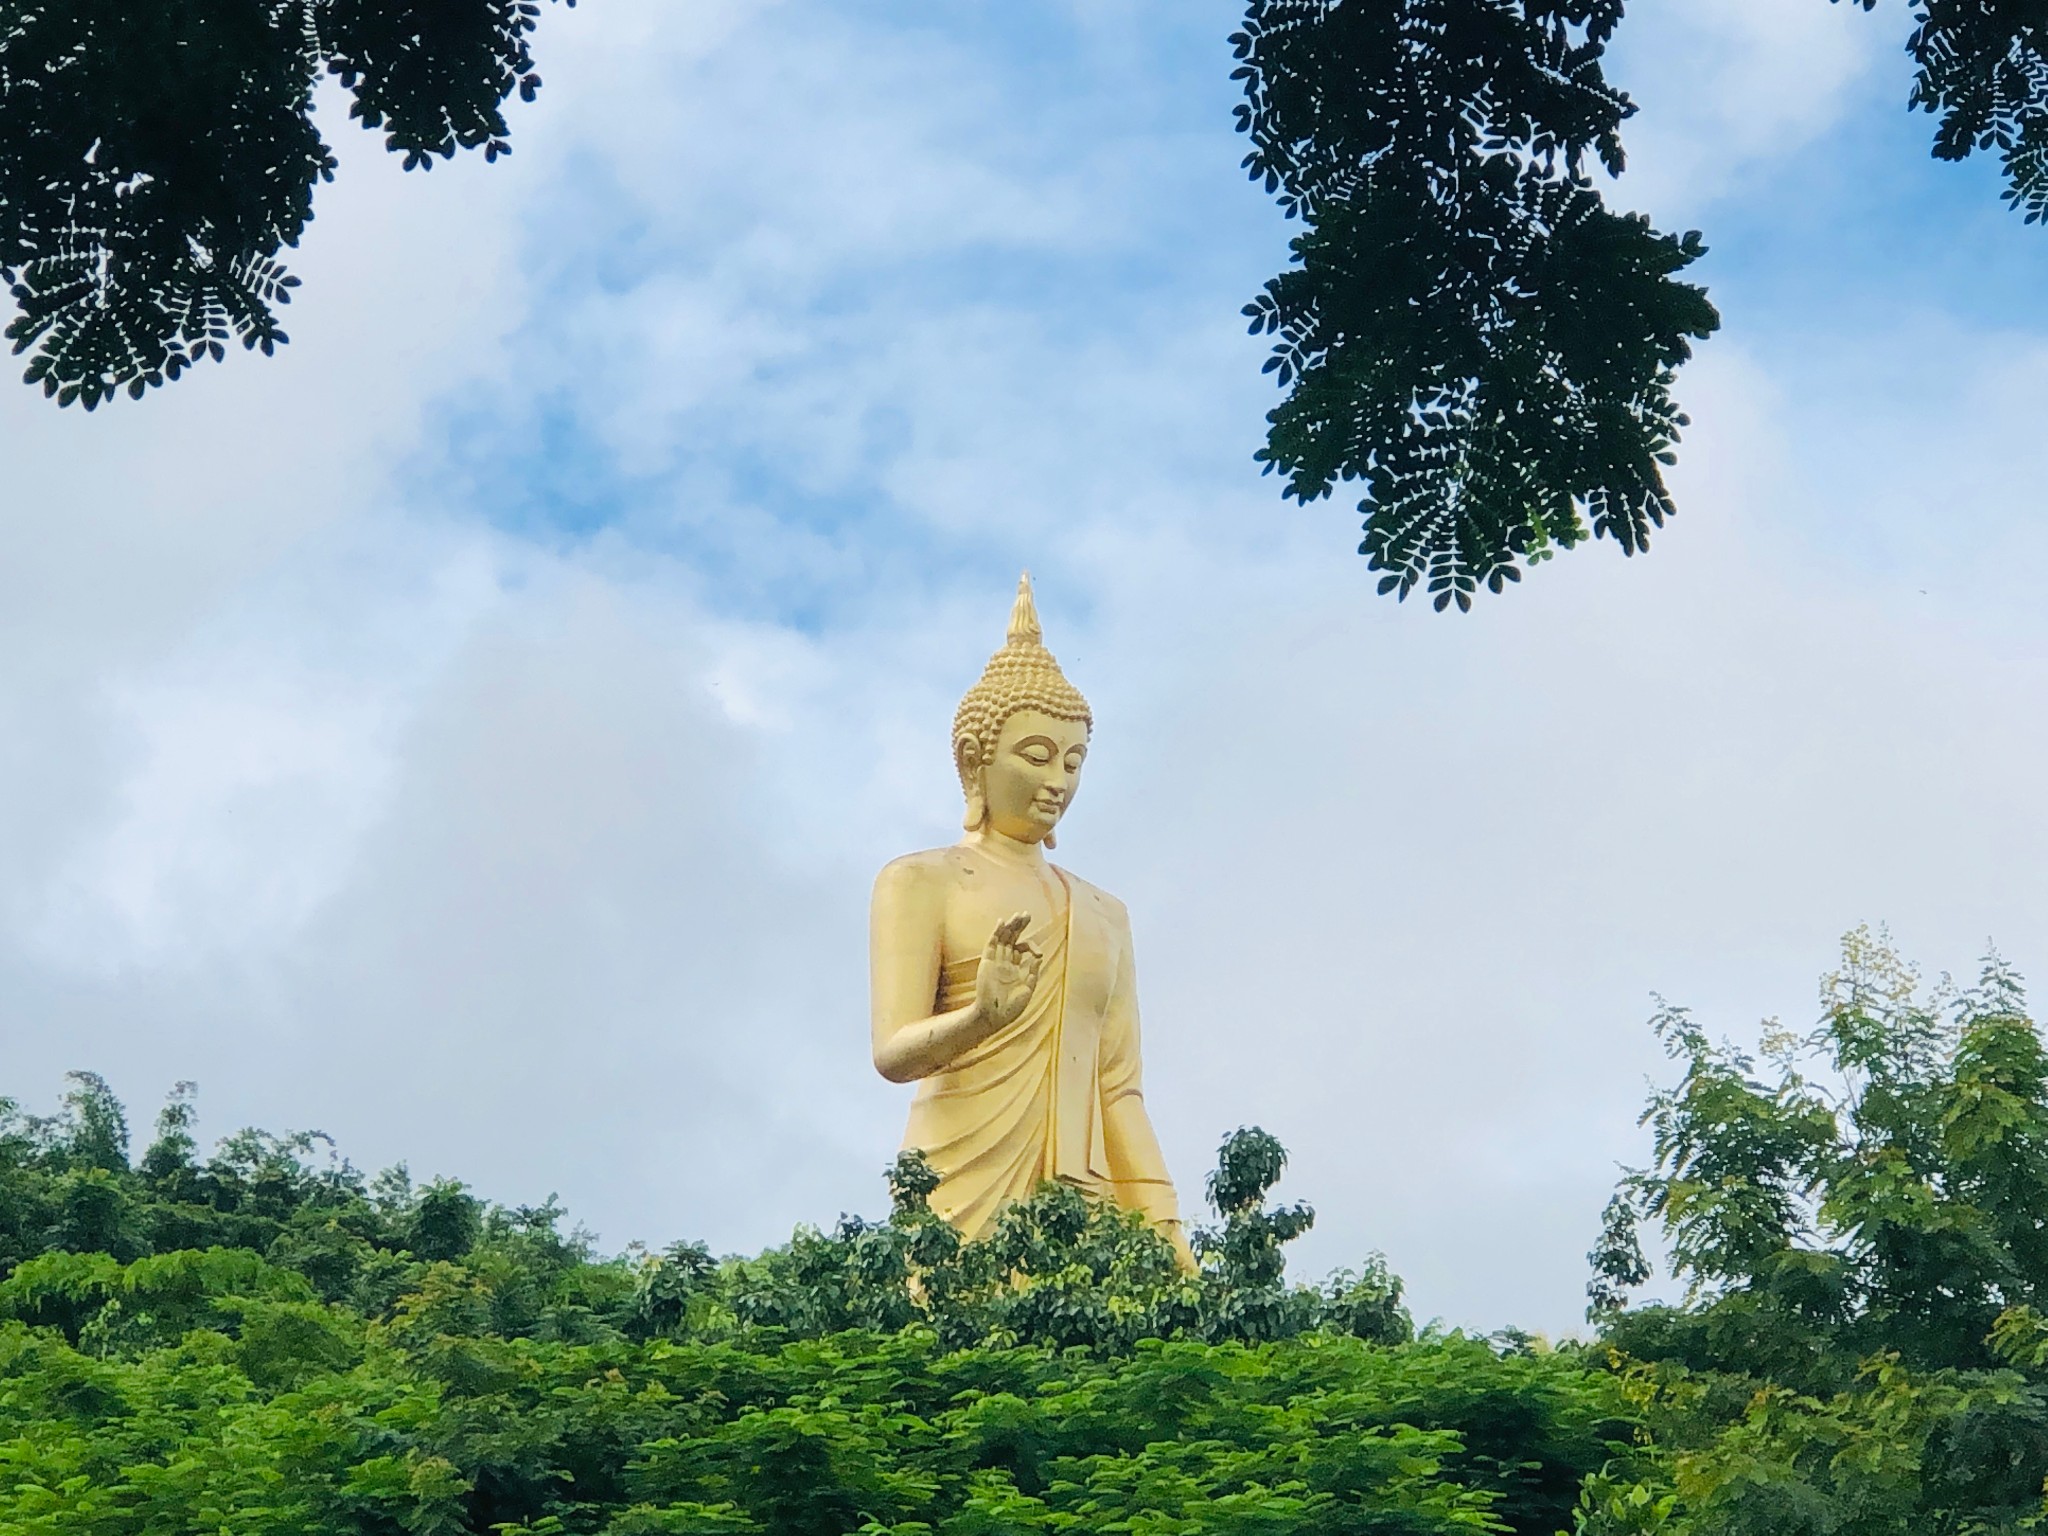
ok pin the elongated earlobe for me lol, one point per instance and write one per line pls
(967, 755)
(1050, 840)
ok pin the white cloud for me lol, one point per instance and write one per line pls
(260, 751)
(1726, 87)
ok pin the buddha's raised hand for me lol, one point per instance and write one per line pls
(1008, 974)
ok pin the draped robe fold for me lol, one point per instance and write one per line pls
(1031, 1103)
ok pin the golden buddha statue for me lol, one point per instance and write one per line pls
(1002, 985)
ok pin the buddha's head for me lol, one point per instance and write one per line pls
(1021, 735)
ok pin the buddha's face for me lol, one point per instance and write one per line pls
(1030, 778)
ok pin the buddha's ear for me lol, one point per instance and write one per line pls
(968, 752)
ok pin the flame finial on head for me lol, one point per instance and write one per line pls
(1022, 675)
(1024, 628)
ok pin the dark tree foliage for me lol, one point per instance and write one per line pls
(156, 158)
(1983, 70)
(1466, 328)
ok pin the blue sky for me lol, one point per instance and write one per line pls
(473, 732)
(866, 258)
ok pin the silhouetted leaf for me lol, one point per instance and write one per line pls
(1466, 329)
(154, 159)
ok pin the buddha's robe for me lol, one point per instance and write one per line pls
(1057, 1094)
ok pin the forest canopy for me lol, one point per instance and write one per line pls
(261, 1339)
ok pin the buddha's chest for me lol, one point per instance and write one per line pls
(1076, 946)
(984, 894)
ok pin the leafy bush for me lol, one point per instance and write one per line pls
(334, 1354)
(266, 1341)
(1861, 1221)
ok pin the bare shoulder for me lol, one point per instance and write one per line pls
(1111, 909)
(930, 869)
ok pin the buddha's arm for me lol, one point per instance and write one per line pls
(905, 924)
